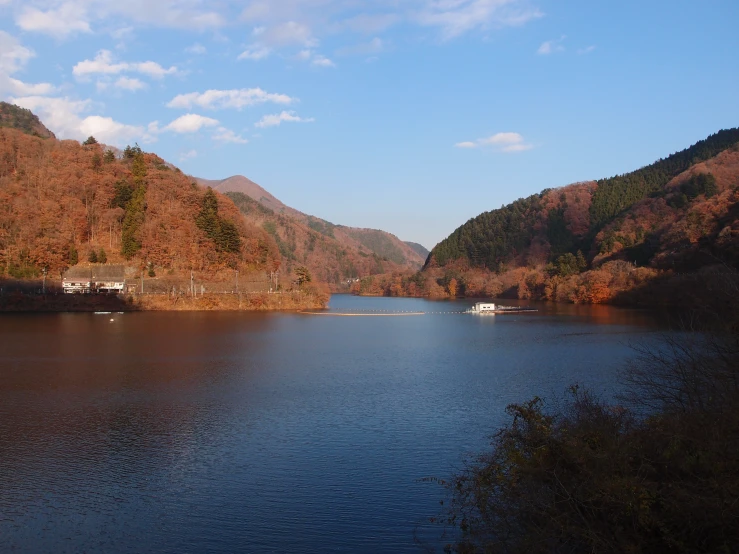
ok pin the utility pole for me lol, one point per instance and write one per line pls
(142, 280)
(43, 290)
(192, 285)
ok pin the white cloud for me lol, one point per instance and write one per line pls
(62, 18)
(322, 61)
(197, 49)
(457, 17)
(502, 142)
(281, 22)
(68, 19)
(227, 135)
(106, 130)
(314, 58)
(64, 117)
(190, 123)
(551, 46)
(130, 83)
(255, 52)
(222, 99)
(276, 119)
(103, 64)
(284, 34)
(13, 57)
(184, 156)
(586, 50)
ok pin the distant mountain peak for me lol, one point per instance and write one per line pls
(383, 244)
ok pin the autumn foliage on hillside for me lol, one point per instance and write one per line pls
(62, 203)
(330, 255)
(594, 242)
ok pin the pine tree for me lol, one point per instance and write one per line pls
(135, 208)
(73, 256)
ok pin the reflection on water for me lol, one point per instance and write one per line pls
(264, 432)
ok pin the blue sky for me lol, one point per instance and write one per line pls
(407, 115)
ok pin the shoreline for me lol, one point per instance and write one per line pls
(246, 302)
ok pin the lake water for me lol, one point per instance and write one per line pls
(223, 432)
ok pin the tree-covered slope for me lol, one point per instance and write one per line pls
(419, 249)
(327, 251)
(380, 244)
(63, 203)
(545, 226)
(15, 117)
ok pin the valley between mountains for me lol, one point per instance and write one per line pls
(649, 237)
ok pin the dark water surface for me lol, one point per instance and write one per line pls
(223, 432)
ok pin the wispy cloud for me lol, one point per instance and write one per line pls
(586, 50)
(552, 46)
(104, 64)
(197, 49)
(322, 61)
(374, 46)
(69, 18)
(188, 155)
(221, 99)
(13, 58)
(130, 83)
(277, 119)
(255, 52)
(227, 135)
(501, 142)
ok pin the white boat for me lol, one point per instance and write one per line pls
(488, 308)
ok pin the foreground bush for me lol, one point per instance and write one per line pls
(659, 475)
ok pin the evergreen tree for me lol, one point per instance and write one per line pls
(123, 192)
(92, 257)
(223, 233)
(302, 275)
(90, 141)
(109, 157)
(102, 256)
(132, 221)
(73, 256)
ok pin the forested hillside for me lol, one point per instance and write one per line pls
(355, 242)
(630, 238)
(559, 221)
(15, 117)
(63, 203)
(314, 244)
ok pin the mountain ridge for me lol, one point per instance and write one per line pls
(383, 244)
(644, 237)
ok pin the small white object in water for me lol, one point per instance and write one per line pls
(111, 319)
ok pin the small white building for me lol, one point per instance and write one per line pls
(482, 307)
(103, 279)
(77, 284)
